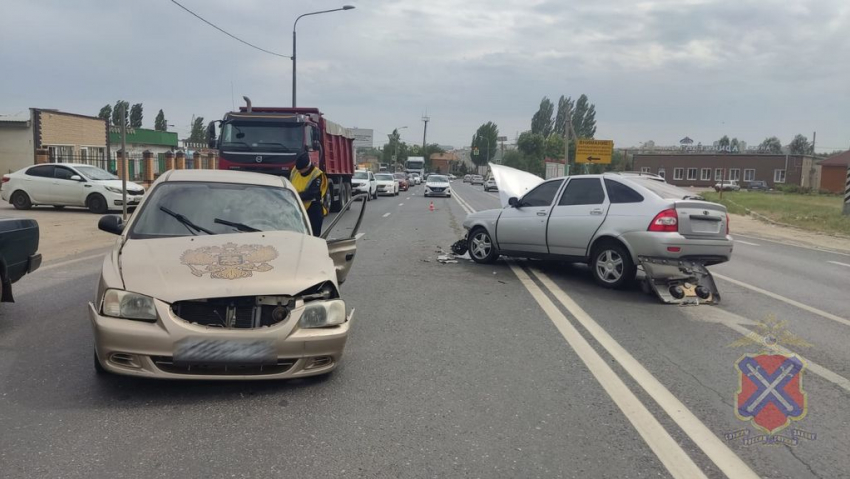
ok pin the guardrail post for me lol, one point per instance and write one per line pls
(42, 155)
(180, 161)
(847, 193)
(169, 160)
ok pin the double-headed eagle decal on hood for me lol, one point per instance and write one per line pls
(229, 261)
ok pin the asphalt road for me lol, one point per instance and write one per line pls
(518, 369)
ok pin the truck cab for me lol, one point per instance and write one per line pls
(270, 139)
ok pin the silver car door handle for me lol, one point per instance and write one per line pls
(541, 213)
(597, 211)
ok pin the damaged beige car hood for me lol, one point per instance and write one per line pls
(215, 266)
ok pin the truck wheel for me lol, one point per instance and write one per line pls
(336, 205)
(612, 265)
(97, 204)
(21, 201)
(327, 202)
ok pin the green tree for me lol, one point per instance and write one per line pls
(159, 123)
(584, 118)
(105, 113)
(565, 108)
(136, 115)
(199, 132)
(735, 145)
(116, 113)
(554, 147)
(531, 144)
(395, 147)
(542, 121)
(485, 141)
(771, 145)
(800, 146)
(723, 142)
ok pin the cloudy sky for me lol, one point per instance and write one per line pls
(656, 70)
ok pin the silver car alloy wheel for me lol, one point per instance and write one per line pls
(481, 245)
(609, 266)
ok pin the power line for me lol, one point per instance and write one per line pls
(228, 34)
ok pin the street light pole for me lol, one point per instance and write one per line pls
(345, 7)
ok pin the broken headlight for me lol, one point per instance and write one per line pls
(127, 305)
(321, 314)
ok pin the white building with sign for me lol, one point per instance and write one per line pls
(362, 137)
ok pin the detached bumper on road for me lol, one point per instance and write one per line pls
(143, 349)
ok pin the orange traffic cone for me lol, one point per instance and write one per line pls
(431, 208)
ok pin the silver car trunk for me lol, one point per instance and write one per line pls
(701, 219)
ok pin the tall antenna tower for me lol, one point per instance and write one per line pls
(426, 119)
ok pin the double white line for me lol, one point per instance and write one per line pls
(669, 452)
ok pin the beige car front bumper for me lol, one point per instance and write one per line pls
(144, 349)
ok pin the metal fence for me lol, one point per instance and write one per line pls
(136, 167)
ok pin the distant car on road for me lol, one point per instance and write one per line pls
(452, 177)
(610, 222)
(364, 182)
(727, 185)
(219, 278)
(490, 184)
(438, 185)
(757, 186)
(387, 184)
(415, 179)
(68, 184)
(403, 184)
(476, 180)
(467, 178)
(18, 253)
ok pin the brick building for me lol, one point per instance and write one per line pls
(704, 170)
(443, 162)
(66, 136)
(834, 172)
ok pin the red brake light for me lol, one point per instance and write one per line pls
(5, 178)
(666, 221)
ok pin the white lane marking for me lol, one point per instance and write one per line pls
(805, 307)
(469, 210)
(812, 248)
(722, 456)
(839, 263)
(669, 452)
(387, 214)
(70, 261)
(358, 236)
(746, 242)
(407, 198)
(401, 204)
(737, 323)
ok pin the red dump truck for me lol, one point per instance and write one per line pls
(269, 139)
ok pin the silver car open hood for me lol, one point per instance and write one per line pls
(512, 182)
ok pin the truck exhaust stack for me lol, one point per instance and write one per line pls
(248, 102)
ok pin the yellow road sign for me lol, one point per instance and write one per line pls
(594, 151)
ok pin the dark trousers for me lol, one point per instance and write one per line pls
(316, 216)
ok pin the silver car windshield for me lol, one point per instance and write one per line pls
(262, 208)
(361, 175)
(384, 177)
(438, 179)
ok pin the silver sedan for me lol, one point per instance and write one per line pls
(611, 222)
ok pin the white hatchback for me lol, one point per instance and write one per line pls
(68, 184)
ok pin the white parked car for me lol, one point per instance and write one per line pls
(438, 185)
(727, 185)
(387, 184)
(364, 183)
(68, 184)
(415, 179)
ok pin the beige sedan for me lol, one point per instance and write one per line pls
(216, 276)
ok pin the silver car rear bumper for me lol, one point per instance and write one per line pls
(664, 245)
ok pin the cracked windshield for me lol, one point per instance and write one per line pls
(493, 239)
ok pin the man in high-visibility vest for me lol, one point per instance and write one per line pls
(312, 185)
